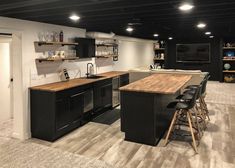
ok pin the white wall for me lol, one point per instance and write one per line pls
(133, 53)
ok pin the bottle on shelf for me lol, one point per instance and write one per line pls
(61, 36)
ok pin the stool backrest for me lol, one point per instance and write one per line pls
(195, 96)
(204, 83)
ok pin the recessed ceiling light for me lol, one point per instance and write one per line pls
(186, 7)
(129, 29)
(155, 35)
(208, 33)
(74, 17)
(201, 25)
(211, 37)
(170, 38)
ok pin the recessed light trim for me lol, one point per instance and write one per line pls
(208, 33)
(201, 25)
(170, 38)
(155, 35)
(129, 29)
(74, 17)
(186, 7)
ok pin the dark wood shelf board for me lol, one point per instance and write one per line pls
(107, 45)
(229, 71)
(229, 48)
(105, 56)
(228, 59)
(159, 59)
(58, 59)
(159, 49)
(40, 43)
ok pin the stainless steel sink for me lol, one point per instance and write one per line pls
(94, 77)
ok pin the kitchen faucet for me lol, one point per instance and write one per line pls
(87, 68)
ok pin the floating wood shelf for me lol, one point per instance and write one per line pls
(105, 56)
(107, 45)
(40, 43)
(159, 49)
(229, 71)
(229, 48)
(157, 59)
(228, 59)
(55, 59)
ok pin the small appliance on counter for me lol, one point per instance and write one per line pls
(64, 75)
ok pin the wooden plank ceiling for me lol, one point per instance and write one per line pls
(146, 16)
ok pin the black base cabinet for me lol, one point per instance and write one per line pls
(102, 96)
(53, 114)
(124, 80)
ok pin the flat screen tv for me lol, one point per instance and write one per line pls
(193, 53)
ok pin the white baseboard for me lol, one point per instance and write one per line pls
(21, 137)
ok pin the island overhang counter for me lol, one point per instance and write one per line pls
(144, 113)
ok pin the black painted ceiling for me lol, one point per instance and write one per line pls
(146, 16)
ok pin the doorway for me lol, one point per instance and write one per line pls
(6, 98)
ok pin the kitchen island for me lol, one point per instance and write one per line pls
(144, 116)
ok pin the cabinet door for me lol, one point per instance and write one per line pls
(76, 106)
(124, 80)
(106, 94)
(97, 97)
(62, 113)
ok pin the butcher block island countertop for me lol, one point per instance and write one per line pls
(158, 83)
(58, 86)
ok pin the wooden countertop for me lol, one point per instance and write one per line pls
(158, 83)
(58, 86)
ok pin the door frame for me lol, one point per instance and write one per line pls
(18, 114)
(5, 37)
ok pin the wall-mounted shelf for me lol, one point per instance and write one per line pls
(229, 71)
(107, 45)
(105, 56)
(228, 59)
(158, 59)
(40, 43)
(56, 59)
(229, 48)
(159, 49)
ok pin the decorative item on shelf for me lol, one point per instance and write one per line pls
(228, 45)
(156, 45)
(229, 58)
(227, 66)
(230, 53)
(162, 44)
(162, 55)
(229, 78)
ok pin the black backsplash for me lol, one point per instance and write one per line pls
(214, 67)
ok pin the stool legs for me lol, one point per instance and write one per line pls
(191, 130)
(191, 123)
(171, 127)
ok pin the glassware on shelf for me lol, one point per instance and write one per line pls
(56, 37)
(47, 36)
(40, 36)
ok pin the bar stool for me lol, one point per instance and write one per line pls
(185, 110)
(202, 106)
